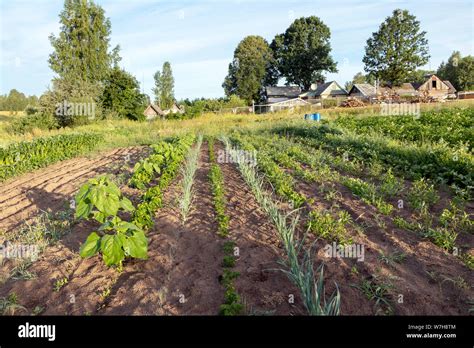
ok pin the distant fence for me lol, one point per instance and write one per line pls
(279, 107)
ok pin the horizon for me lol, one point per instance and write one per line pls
(199, 62)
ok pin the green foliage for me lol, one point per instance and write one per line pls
(437, 162)
(73, 102)
(27, 124)
(323, 224)
(368, 193)
(232, 303)
(81, 51)
(196, 107)
(164, 87)
(16, 101)
(390, 184)
(459, 71)
(21, 157)
(165, 160)
(122, 95)
(58, 284)
(379, 292)
(454, 126)
(303, 52)
(217, 185)
(422, 195)
(101, 199)
(442, 237)
(250, 70)
(397, 48)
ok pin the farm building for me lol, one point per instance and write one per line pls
(325, 90)
(175, 109)
(405, 90)
(435, 87)
(364, 91)
(281, 93)
(153, 111)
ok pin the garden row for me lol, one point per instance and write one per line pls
(101, 200)
(22, 157)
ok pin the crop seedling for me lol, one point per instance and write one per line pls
(391, 259)
(422, 195)
(101, 199)
(378, 292)
(9, 305)
(58, 284)
(188, 173)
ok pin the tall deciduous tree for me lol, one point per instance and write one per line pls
(122, 95)
(250, 70)
(303, 52)
(459, 71)
(164, 87)
(395, 51)
(81, 51)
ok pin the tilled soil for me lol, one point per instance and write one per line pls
(264, 288)
(52, 187)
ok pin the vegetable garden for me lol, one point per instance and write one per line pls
(358, 215)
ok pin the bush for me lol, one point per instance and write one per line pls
(26, 124)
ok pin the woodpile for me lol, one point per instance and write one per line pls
(352, 103)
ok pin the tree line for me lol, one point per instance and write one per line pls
(16, 101)
(302, 55)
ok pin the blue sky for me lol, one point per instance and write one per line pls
(199, 37)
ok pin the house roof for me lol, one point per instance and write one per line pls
(451, 87)
(155, 108)
(365, 88)
(320, 89)
(283, 91)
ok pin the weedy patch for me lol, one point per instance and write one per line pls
(393, 258)
(379, 292)
(9, 305)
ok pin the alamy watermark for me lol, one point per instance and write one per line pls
(19, 251)
(74, 109)
(237, 156)
(400, 109)
(352, 251)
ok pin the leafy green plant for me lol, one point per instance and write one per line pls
(368, 193)
(422, 195)
(325, 225)
(101, 199)
(58, 284)
(390, 185)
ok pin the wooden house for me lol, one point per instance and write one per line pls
(363, 91)
(281, 93)
(435, 87)
(153, 111)
(324, 90)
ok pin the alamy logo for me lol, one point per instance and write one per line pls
(75, 109)
(37, 331)
(400, 109)
(353, 251)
